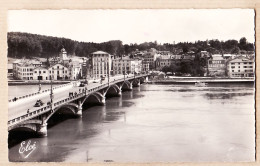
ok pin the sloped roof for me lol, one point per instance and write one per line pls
(100, 52)
(240, 59)
(215, 58)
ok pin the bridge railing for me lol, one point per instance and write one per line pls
(40, 92)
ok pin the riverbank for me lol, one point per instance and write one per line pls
(192, 80)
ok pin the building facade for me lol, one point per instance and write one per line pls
(40, 73)
(23, 69)
(150, 58)
(217, 66)
(58, 72)
(101, 64)
(126, 66)
(241, 67)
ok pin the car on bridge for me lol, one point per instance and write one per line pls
(38, 103)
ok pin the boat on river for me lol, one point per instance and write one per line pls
(200, 84)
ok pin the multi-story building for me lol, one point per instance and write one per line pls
(241, 67)
(23, 69)
(162, 62)
(40, 73)
(58, 72)
(126, 65)
(150, 58)
(75, 70)
(101, 64)
(145, 67)
(217, 66)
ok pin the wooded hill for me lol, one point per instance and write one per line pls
(31, 45)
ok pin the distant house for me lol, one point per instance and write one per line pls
(126, 65)
(217, 66)
(241, 67)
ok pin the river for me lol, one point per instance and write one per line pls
(153, 123)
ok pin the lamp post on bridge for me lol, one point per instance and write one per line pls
(39, 81)
(108, 72)
(51, 94)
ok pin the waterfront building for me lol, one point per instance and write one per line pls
(217, 66)
(40, 73)
(75, 70)
(126, 65)
(150, 58)
(58, 72)
(241, 67)
(145, 67)
(23, 69)
(162, 61)
(101, 63)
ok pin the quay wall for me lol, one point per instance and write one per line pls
(206, 80)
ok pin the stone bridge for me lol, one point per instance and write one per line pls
(37, 120)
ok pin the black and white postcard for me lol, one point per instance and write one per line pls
(142, 86)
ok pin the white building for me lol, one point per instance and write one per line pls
(75, 71)
(101, 64)
(40, 73)
(58, 72)
(23, 69)
(127, 65)
(241, 67)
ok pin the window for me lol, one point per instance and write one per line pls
(232, 70)
(238, 70)
(44, 71)
(35, 71)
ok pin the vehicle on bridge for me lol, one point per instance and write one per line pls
(103, 78)
(81, 84)
(38, 103)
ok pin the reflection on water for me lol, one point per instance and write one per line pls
(154, 123)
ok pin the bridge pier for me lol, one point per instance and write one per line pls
(136, 83)
(42, 130)
(119, 92)
(103, 100)
(79, 111)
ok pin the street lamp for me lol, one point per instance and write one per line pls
(85, 71)
(51, 94)
(39, 82)
(108, 73)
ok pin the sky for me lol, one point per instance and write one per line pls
(136, 26)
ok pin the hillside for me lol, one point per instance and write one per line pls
(30, 45)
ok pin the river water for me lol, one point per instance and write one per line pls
(154, 123)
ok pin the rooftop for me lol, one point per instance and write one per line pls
(99, 52)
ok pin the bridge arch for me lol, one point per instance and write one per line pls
(142, 79)
(31, 124)
(126, 85)
(95, 98)
(113, 90)
(72, 107)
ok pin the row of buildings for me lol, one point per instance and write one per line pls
(99, 64)
(230, 65)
